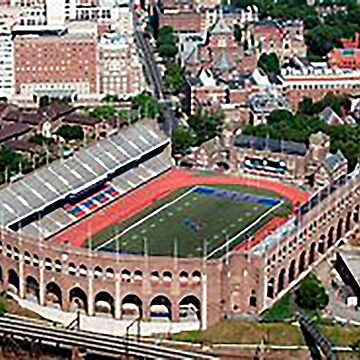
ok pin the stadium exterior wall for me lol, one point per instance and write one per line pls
(244, 281)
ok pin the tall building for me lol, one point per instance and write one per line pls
(6, 55)
(120, 70)
(60, 65)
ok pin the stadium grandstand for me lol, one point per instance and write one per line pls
(50, 199)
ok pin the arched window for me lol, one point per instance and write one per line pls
(58, 265)
(167, 276)
(83, 270)
(36, 260)
(98, 272)
(110, 272)
(72, 269)
(155, 276)
(125, 275)
(48, 264)
(27, 258)
(138, 275)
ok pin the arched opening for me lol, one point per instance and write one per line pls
(167, 276)
(110, 273)
(312, 253)
(155, 276)
(138, 275)
(13, 281)
(125, 275)
(83, 270)
(292, 271)
(270, 288)
(190, 308)
(184, 277)
(160, 308)
(302, 262)
(1, 275)
(330, 238)
(357, 213)
(196, 276)
(339, 229)
(131, 307)
(281, 280)
(48, 264)
(53, 295)
(98, 272)
(27, 258)
(78, 299)
(32, 289)
(321, 247)
(104, 303)
(348, 222)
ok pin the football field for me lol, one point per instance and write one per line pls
(195, 222)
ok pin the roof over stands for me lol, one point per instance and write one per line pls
(272, 145)
(88, 166)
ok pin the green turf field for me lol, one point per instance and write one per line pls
(189, 224)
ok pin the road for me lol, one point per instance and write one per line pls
(96, 343)
(154, 78)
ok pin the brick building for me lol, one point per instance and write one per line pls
(348, 57)
(315, 81)
(120, 71)
(286, 39)
(184, 21)
(54, 65)
(310, 166)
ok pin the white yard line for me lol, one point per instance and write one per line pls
(155, 212)
(244, 230)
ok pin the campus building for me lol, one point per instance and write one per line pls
(63, 65)
(120, 71)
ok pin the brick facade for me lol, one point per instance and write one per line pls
(245, 281)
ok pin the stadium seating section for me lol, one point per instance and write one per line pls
(45, 202)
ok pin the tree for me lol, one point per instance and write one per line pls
(110, 98)
(182, 140)
(205, 125)
(174, 79)
(3, 306)
(311, 295)
(104, 112)
(166, 42)
(39, 139)
(165, 31)
(168, 50)
(322, 39)
(44, 101)
(306, 106)
(145, 105)
(336, 102)
(71, 132)
(278, 116)
(269, 63)
(237, 33)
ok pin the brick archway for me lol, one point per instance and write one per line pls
(78, 299)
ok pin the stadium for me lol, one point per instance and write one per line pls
(117, 228)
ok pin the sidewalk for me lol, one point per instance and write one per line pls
(104, 324)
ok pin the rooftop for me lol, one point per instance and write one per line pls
(11, 131)
(272, 145)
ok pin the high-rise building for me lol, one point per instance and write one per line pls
(6, 64)
(120, 71)
(62, 65)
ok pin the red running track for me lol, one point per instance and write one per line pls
(141, 198)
